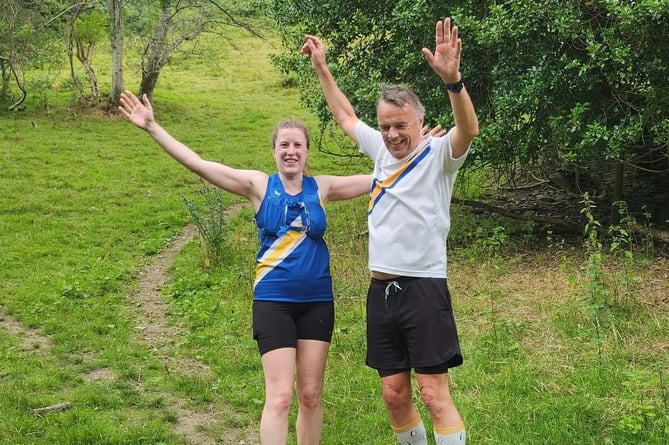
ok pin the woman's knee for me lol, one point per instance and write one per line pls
(279, 402)
(310, 398)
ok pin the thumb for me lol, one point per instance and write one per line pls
(428, 56)
(146, 101)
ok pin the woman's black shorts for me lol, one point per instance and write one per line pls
(279, 325)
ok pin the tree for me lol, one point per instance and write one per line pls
(579, 94)
(116, 33)
(177, 22)
(18, 41)
(87, 28)
(572, 92)
(29, 33)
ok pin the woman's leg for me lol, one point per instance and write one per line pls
(311, 358)
(279, 369)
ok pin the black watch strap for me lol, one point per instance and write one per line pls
(455, 87)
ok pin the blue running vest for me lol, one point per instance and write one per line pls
(293, 264)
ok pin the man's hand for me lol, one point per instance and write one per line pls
(445, 61)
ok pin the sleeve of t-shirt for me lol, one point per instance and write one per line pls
(442, 145)
(369, 139)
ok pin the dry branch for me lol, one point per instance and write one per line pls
(569, 226)
(47, 409)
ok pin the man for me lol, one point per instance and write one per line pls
(410, 324)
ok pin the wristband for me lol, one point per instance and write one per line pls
(455, 87)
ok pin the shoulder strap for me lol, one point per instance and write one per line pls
(309, 185)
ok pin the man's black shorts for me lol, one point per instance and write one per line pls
(410, 324)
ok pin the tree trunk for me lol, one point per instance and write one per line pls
(6, 75)
(20, 83)
(148, 84)
(85, 57)
(617, 194)
(70, 51)
(115, 8)
(156, 53)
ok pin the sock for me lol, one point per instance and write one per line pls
(412, 433)
(453, 435)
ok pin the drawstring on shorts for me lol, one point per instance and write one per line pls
(396, 286)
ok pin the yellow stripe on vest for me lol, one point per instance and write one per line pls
(277, 252)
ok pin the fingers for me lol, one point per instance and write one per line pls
(436, 131)
(130, 104)
(305, 49)
(454, 34)
(439, 32)
(444, 33)
(126, 103)
(311, 45)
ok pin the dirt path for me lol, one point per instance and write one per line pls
(159, 333)
(156, 331)
(201, 426)
(153, 324)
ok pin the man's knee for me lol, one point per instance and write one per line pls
(396, 396)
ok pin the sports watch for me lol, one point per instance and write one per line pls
(455, 87)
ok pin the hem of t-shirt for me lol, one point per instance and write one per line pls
(409, 273)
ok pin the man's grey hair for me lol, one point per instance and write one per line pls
(401, 96)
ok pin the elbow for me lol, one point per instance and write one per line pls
(468, 132)
(472, 128)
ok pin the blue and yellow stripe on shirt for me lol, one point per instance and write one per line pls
(379, 187)
(277, 252)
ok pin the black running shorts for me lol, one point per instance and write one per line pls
(410, 324)
(279, 325)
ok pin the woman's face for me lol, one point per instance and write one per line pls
(290, 151)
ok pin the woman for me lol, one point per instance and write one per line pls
(293, 309)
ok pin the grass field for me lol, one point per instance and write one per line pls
(566, 343)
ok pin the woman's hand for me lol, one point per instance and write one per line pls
(436, 131)
(140, 114)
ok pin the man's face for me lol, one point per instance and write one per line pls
(400, 128)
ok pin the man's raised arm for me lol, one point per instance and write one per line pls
(445, 61)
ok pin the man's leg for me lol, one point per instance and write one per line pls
(404, 417)
(435, 393)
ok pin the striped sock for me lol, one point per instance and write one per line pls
(452, 435)
(412, 433)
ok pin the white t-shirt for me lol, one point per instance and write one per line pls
(409, 209)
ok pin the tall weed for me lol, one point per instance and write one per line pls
(207, 211)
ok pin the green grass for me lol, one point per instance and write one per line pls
(88, 200)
